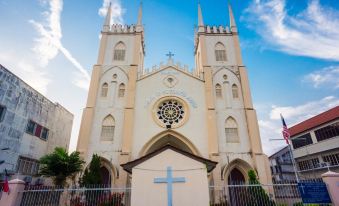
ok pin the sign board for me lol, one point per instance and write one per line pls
(314, 192)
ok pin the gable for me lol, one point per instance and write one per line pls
(168, 154)
(167, 69)
(171, 158)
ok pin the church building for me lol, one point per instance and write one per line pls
(207, 112)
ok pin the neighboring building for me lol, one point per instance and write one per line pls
(207, 111)
(282, 166)
(30, 126)
(316, 144)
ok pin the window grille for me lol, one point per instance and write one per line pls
(27, 166)
(119, 52)
(119, 55)
(327, 132)
(220, 55)
(308, 164)
(332, 159)
(107, 129)
(231, 131)
(302, 141)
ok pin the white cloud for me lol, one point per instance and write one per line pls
(271, 126)
(326, 77)
(297, 113)
(117, 11)
(312, 32)
(48, 45)
(25, 68)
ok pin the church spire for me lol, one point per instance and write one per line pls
(139, 27)
(107, 23)
(200, 19)
(233, 26)
(201, 27)
(140, 15)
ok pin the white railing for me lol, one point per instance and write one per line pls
(75, 196)
(258, 195)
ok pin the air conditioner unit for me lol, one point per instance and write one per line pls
(28, 179)
(39, 181)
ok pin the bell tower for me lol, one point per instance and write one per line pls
(122, 45)
(232, 122)
(109, 112)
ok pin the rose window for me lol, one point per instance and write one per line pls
(170, 112)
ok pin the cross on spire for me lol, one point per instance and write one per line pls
(170, 55)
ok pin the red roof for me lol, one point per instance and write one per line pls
(315, 121)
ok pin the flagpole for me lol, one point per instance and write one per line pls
(287, 137)
(293, 161)
(292, 158)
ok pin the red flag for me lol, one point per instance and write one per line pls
(6, 185)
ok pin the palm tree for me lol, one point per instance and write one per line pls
(60, 165)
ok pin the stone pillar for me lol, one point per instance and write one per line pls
(16, 187)
(332, 181)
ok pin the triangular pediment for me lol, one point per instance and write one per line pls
(210, 165)
(177, 68)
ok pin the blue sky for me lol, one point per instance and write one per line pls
(291, 49)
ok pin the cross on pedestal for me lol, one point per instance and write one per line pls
(169, 180)
(170, 55)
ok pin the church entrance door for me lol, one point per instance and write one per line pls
(236, 191)
(105, 176)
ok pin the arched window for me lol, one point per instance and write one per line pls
(218, 91)
(235, 91)
(121, 90)
(231, 130)
(104, 90)
(119, 52)
(220, 52)
(107, 129)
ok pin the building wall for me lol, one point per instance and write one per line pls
(313, 154)
(22, 104)
(282, 166)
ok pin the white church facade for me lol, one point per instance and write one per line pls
(207, 112)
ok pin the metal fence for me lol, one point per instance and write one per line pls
(75, 196)
(277, 194)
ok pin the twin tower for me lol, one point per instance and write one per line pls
(208, 112)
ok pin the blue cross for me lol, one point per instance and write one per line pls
(170, 55)
(169, 180)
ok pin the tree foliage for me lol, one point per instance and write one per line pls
(92, 174)
(257, 193)
(60, 165)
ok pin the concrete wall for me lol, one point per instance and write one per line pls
(22, 104)
(316, 151)
(316, 147)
